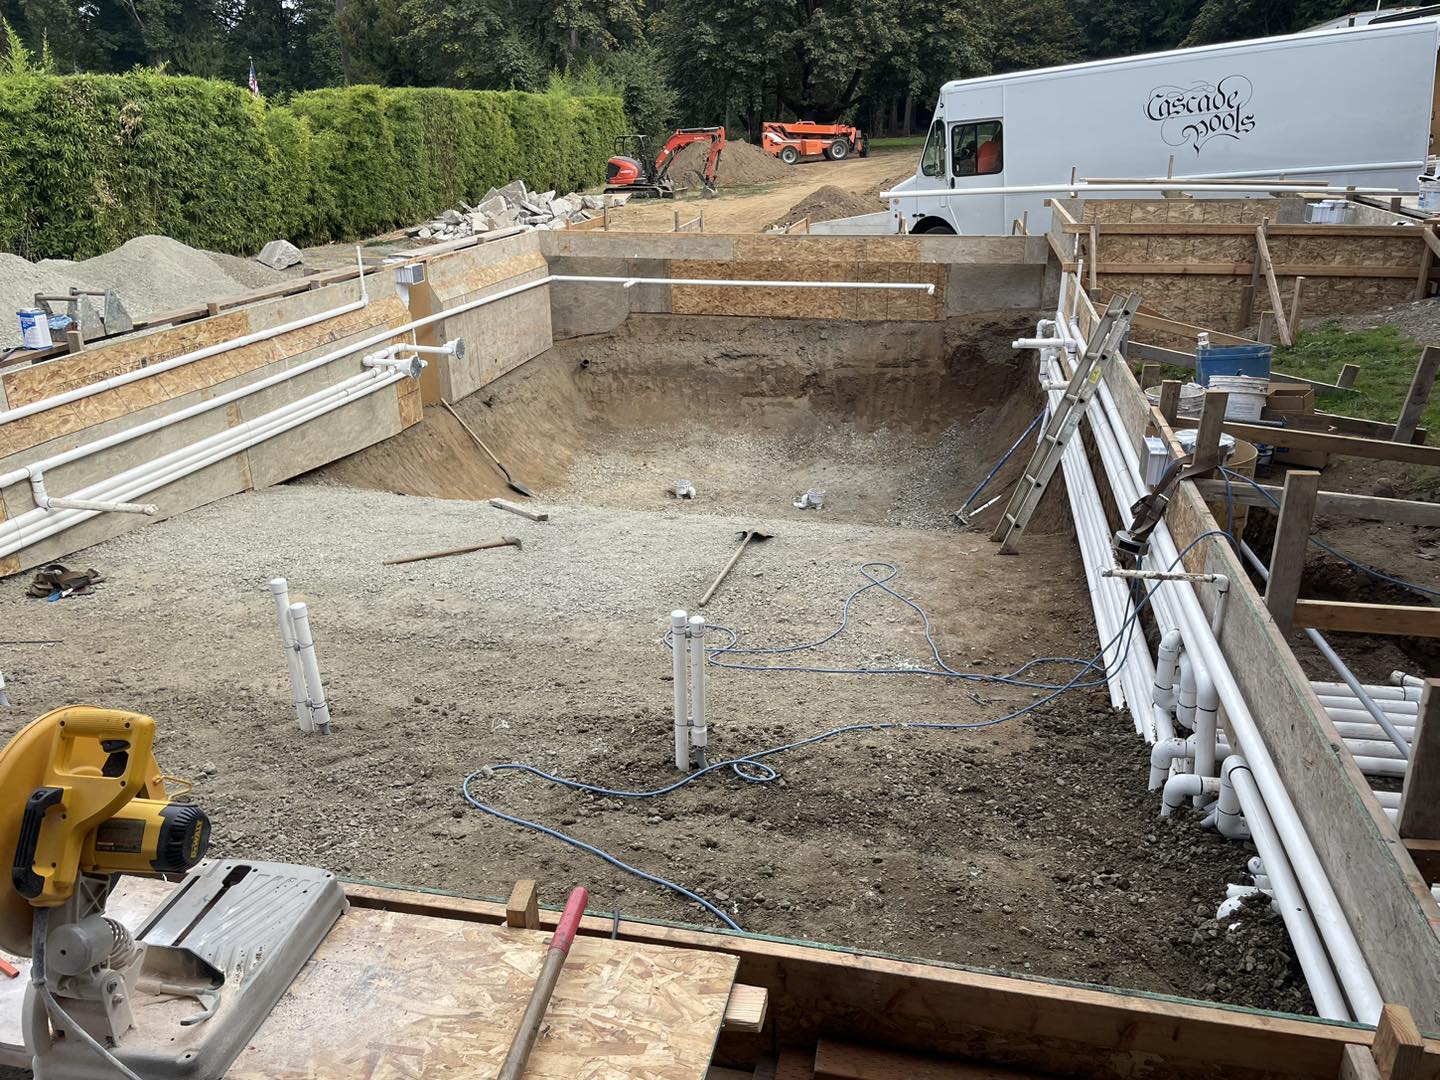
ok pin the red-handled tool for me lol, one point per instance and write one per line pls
(514, 1066)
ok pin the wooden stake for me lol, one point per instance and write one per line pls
(1207, 436)
(1265, 332)
(1295, 301)
(1292, 538)
(1420, 797)
(1262, 249)
(523, 511)
(1420, 387)
(1149, 376)
(1094, 254)
(505, 541)
(1427, 263)
(1399, 1049)
(522, 910)
(1170, 400)
(1346, 378)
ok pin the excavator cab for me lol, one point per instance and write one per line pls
(631, 172)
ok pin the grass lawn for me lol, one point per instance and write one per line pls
(895, 141)
(1386, 359)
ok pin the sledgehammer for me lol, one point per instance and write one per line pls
(524, 1040)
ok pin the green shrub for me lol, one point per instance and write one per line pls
(89, 161)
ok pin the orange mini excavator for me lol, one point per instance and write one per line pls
(631, 172)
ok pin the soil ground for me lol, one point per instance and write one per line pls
(1029, 845)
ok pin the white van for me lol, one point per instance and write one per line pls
(1351, 106)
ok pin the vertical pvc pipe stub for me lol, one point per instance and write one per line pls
(679, 644)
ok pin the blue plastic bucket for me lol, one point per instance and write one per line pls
(1252, 360)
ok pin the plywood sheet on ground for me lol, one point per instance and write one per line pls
(852, 305)
(390, 994)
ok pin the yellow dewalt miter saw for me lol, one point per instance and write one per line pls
(177, 992)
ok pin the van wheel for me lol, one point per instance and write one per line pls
(839, 150)
(789, 155)
(933, 227)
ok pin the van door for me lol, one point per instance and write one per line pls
(977, 160)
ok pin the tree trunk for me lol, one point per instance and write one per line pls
(909, 112)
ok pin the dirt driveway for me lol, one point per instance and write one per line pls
(751, 209)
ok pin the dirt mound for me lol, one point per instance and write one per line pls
(827, 203)
(741, 164)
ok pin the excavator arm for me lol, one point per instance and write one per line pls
(682, 138)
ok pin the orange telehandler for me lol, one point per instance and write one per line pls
(801, 139)
(631, 172)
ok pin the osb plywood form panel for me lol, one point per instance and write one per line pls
(107, 405)
(391, 995)
(456, 276)
(827, 249)
(1187, 211)
(855, 305)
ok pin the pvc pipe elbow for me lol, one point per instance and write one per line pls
(1184, 786)
(1162, 754)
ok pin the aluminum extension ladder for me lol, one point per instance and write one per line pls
(1102, 347)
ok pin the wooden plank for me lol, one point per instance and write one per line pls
(522, 910)
(1094, 254)
(835, 1060)
(1149, 375)
(1358, 1064)
(1427, 263)
(795, 1064)
(1172, 326)
(1071, 225)
(1339, 424)
(1349, 445)
(1240, 269)
(1277, 306)
(1292, 539)
(1208, 228)
(1366, 507)
(1398, 1049)
(1346, 379)
(1296, 302)
(1341, 616)
(1425, 854)
(1207, 433)
(1170, 399)
(746, 1009)
(516, 508)
(1420, 797)
(1419, 395)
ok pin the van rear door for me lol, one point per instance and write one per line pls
(976, 141)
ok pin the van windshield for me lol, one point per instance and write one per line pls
(932, 158)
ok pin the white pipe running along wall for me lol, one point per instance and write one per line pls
(35, 525)
(314, 690)
(697, 689)
(1378, 692)
(1081, 187)
(89, 390)
(1176, 605)
(280, 590)
(679, 647)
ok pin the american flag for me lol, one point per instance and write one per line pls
(254, 82)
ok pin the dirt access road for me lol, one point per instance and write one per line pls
(751, 209)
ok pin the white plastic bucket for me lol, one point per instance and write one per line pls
(1430, 193)
(1247, 395)
(34, 328)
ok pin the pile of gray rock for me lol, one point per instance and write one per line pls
(512, 205)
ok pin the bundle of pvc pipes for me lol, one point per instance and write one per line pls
(688, 661)
(307, 693)
(1335, 969)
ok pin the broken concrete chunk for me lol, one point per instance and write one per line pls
(479, 222)
(813, 499)
(494, 206)
(451, 217)
(593, 202)
(280, 254)
(513, 191)
(561, 207)
(425, 232)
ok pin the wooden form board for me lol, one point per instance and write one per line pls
(867, 305)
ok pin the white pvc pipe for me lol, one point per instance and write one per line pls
(1183, 786)
(697, 688)
(679, 641)
(1207, 707)
(1185, 702)
(1289, 897)
(1378, 692)
(1399, 678)
(1365, 729)
(1080, 186)
(280, 591)
(1404, 709)
(18, 533)
(89, 390)
(1176, 604)
(1164, 754)
(314, 689)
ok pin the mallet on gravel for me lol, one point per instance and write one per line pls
(504, 541)
(746, 538)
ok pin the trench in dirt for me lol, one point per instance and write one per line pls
(1028, 846)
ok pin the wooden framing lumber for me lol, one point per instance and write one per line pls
(1277, 305)
(1346, 379)
(1169, 399)
(1207, 432)
(1420, 797)
(1366, 507)
(1427, 263)
(1094, 254)
(1351, 445)
(1342, 616)
(522, 910)
(523, 511)
(1216, 228)
(1239, 269)
(835, 1060)
(1398, 1049)
(745, 1011)
(1297, 297)
(1149, 376)
(1420, 386)
(1292, 538)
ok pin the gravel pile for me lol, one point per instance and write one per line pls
(150, 274)
(826, 204)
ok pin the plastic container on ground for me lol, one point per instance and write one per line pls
(34, 328)
(1252, 360)
(1247, 395)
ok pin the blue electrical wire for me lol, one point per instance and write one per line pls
(763, 772)
(1378, 574)
(1006, 457)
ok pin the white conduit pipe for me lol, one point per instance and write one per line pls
(305, 646)
(1176, 604)
(1388, 799)
(1109, 596)
(1185, 701)
(1376, 748)
(1183, 786)
(1080, 186)
(1376, 692)
(1399, 678)
(1289, 897)
(162, 471)
(1357, 729)
(280, 590)
(679, 642)
(89, 390)
(697, 688)
(1374, 766)
(1162, 755)
(1403, 710)
(1207, 707)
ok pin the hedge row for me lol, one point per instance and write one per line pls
(88, 161)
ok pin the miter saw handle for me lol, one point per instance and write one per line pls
(28, 883)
